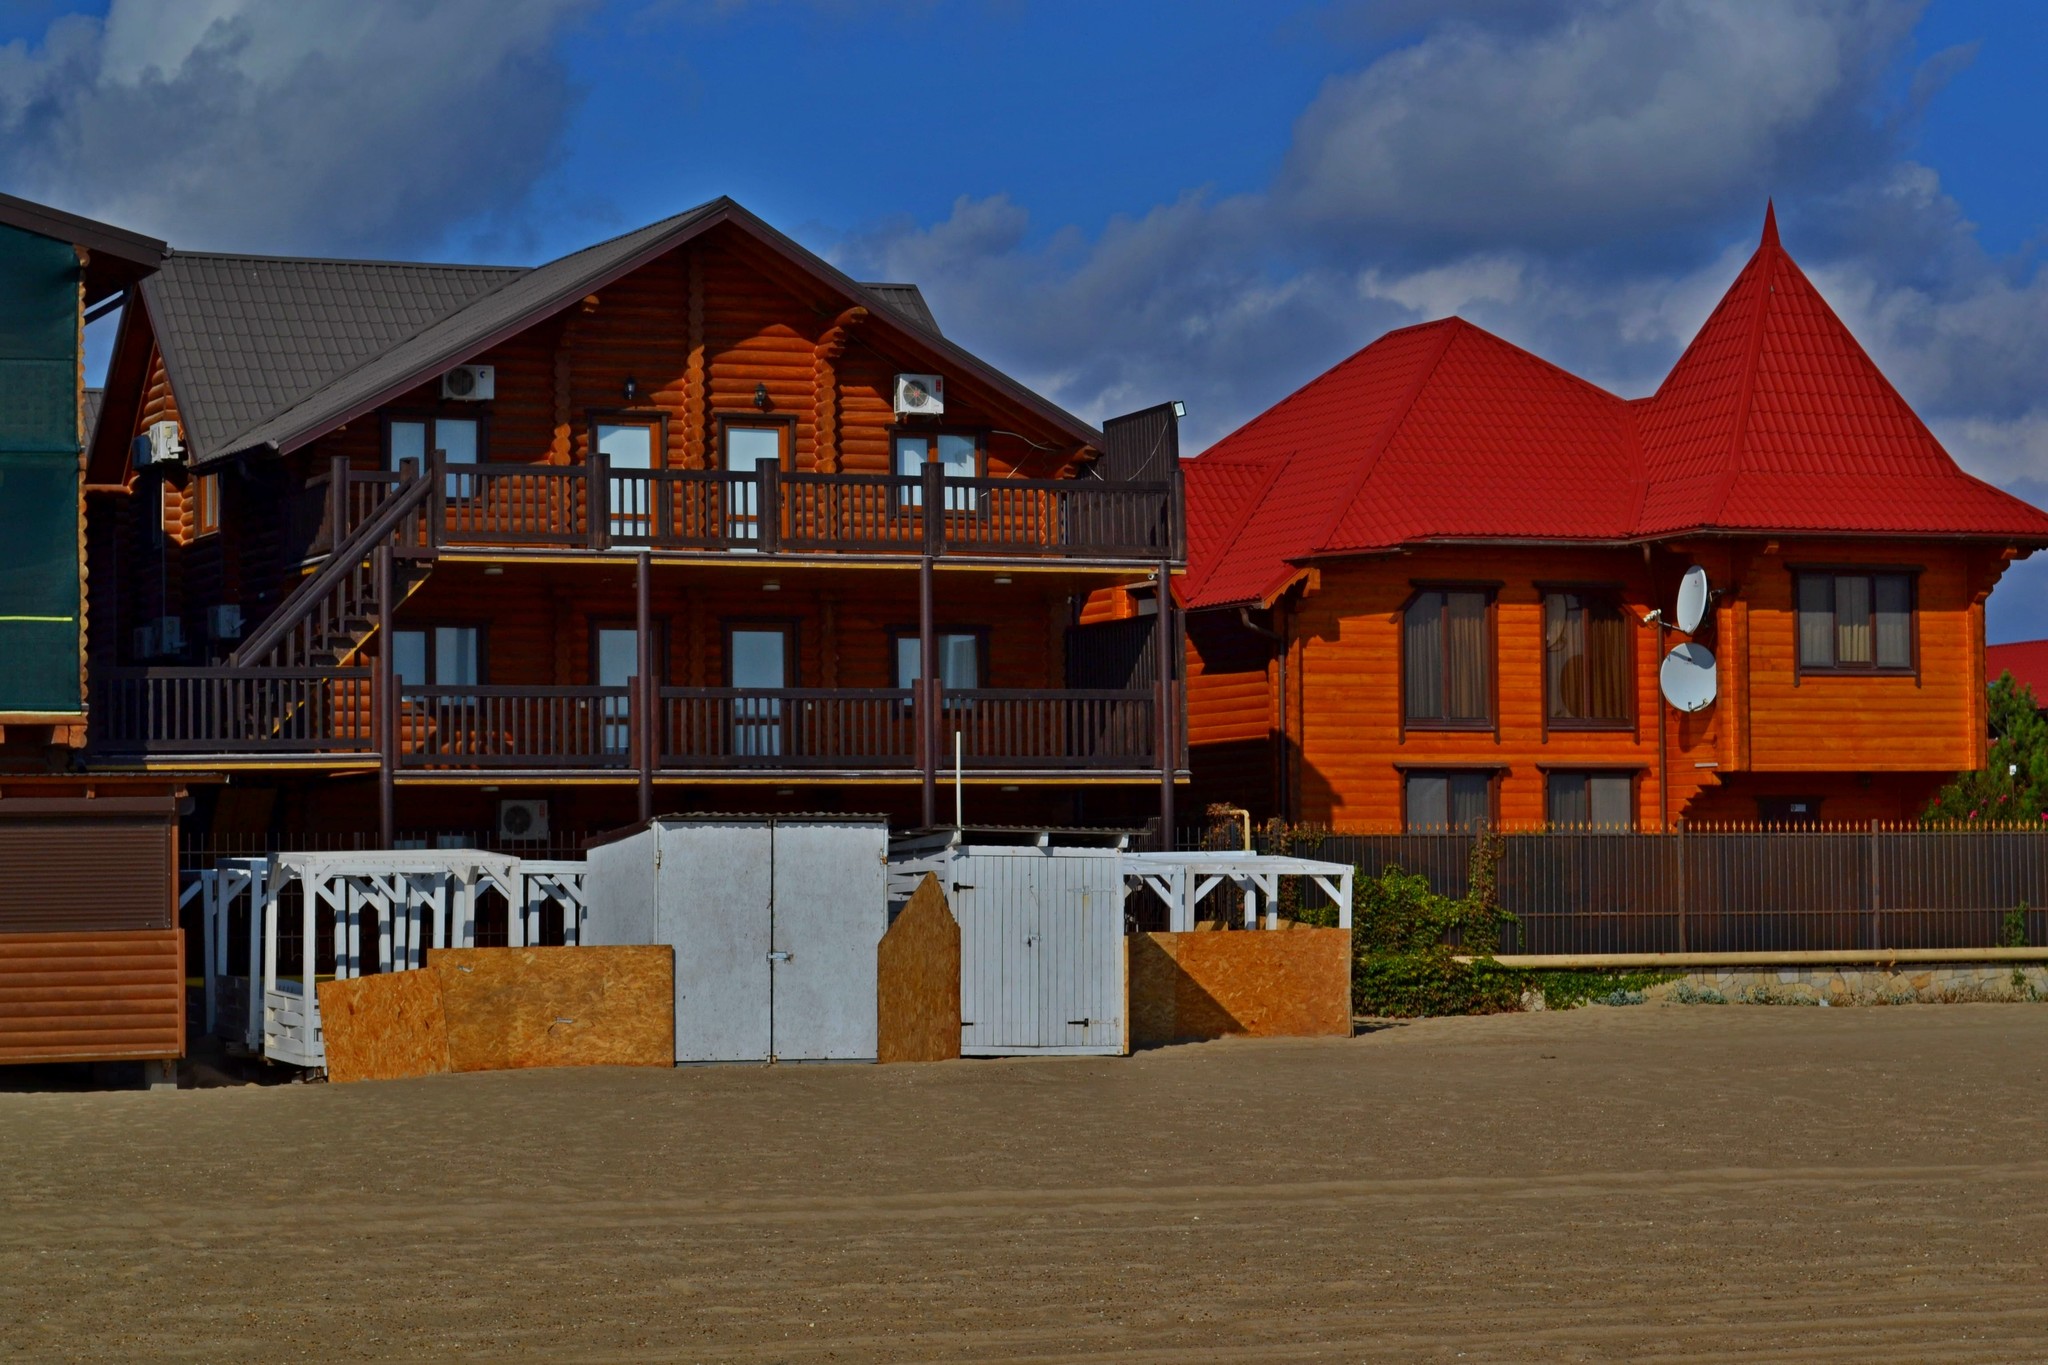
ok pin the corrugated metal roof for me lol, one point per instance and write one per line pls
(2026, 660)
(1774, 420)
(248, 336)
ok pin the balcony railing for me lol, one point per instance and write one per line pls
(249, 711)
(765, 510)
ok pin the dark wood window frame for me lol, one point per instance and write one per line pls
(792, 626)
(593, 418)
(721, 422)
(1910, 572)
(1492, 772)
(454, 412)
(659, 629)
(206, 504)
(429, 626)
(1616, 595)
(1633, 772)
(981, 647)
(1491, 590)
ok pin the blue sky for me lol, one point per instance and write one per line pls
(1125, 202)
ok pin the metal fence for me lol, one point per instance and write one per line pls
(1750, 891)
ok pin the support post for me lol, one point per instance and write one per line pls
(643, 700)
(925, 695)
(1163, 632)
(385, 709)
(337, 502)
(597, 499)
(1683, 894)
(1874, 937)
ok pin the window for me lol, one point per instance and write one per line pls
(1855, 621)
(630, 449)
(1447, 659)
(748, 449)
(1586, 663)
(438, 656)
(1592, 800)
(206, 504)
(615, 662)
(958, 456)
(1789, 812)
(1448, 800)
(959, 659)
(760, 659)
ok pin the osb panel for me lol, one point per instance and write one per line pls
(383, 1028)
(1263, 984)
(917, 1001)
(523, 1007)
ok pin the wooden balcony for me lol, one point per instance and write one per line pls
(763, 511)
(229, 713)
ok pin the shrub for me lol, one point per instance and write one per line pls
(1418, 953)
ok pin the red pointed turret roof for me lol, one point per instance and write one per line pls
(1774, 420)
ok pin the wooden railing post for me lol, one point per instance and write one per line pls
(768, 520)
(337, 502)
(932, 492)
(926, 696)
(597, 499)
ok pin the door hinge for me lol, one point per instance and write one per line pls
(1084, 1023)
(778, 956)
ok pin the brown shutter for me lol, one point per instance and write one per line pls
(60, 875)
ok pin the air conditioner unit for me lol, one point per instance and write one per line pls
(170, 634)
(166, 444)
(470, 383)
(920, 395)
(522, 820)
(224, 622)
(143, 642)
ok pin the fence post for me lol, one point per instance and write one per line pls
(1874, 932)
(1684, 891)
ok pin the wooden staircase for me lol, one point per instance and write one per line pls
(328, 618)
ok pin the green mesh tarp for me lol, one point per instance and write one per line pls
(39, 492)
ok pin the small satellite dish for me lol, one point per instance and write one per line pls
(1692, 600)
(1687, 677)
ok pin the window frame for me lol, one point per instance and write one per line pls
(206, 504)
(1616, 594)
(1632, 773)
(470, 412)
(722, 422)
(958, 501)
(1490, 724)
(1910, 572)
(792, 662)
(428, 627)
(1492, 772)
(898, 634)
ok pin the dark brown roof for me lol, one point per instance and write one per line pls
(119, 257)
(269, 353)
(245, 337)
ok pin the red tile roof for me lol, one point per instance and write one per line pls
(1774, 420)
(2026, 660)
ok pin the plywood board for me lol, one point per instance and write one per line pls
(1255, 983)
(586, 1006)
(384, 1027)
(917, 1003)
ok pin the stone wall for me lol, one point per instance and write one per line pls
(1904, 984)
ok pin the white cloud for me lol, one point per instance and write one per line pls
(333, 125)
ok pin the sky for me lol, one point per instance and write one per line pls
(1126, 202)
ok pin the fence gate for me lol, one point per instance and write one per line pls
(1041, 950)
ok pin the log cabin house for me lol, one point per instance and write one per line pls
(685, 520)
(1435, 586)
(91, 966)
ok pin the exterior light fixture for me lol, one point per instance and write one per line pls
(1010, 787)
(1002, 580)
(772, 585)
(761, 398)
(1180, 409)
(785, 791)
(632, 389)
(493, 570)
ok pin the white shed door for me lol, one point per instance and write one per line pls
(831, 910)
(715, 895)
(1042, 952)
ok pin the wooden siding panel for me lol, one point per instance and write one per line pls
(87, 996)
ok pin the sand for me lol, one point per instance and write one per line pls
(1639, 1183)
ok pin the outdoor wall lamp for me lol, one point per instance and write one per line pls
(632, 389)
(761, 398)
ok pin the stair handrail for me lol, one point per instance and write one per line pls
(342, 560)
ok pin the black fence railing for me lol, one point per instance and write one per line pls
(1747, 891)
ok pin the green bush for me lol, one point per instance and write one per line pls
(1418, 953)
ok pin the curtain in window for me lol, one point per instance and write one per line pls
(1816, 621)
(1422, 656)
(1852, 619)
(1470, 808)
(1569, 808)
(1894, 616)
(960, 661)
(1465, 657)
(1611, 801)
(1608, 674)
(1564, 647)
(1428, 801)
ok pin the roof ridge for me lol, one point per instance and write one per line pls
(363, 261)
(1270, 471)
(1769, 252)
(1385, 437)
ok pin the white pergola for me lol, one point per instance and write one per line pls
(1182, 879)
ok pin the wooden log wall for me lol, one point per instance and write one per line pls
(1771, 732)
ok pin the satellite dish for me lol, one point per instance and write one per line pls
(1687, 677)
(1692, 601)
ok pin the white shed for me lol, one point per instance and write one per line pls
(774, 921)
